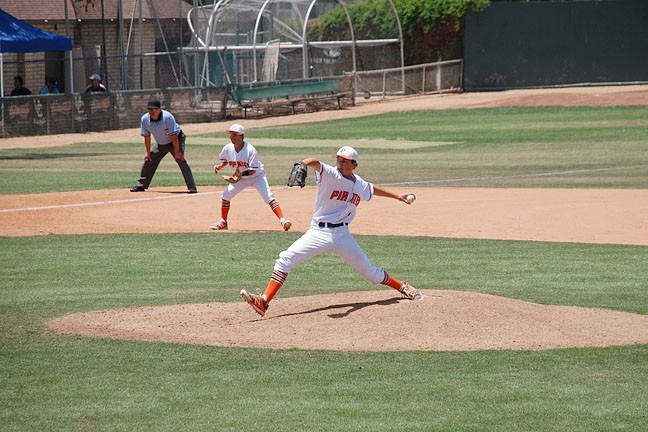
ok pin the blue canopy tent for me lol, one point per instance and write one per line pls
(19, 37)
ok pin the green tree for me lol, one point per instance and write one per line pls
(433, 29)
(371, 19)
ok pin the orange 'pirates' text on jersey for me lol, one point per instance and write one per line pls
(337, 196)
(246, 159)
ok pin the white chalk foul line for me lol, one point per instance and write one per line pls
(96, 203)
(554, 173)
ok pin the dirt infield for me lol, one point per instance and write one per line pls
(560, 215)
(444, 320)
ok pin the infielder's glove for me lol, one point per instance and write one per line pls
(298, 175)
(234, 178)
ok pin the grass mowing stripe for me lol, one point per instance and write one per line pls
(479, 125)
(115, 385)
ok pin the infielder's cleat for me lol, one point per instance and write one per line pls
(410, 292)
(192, 191)
(285, 223)
(138, 189)
(220, 225)
(256, 301)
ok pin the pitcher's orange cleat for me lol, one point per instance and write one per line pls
(256, 301)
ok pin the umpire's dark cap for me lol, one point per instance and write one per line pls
(154, 103)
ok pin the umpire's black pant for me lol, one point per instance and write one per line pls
(157, 154)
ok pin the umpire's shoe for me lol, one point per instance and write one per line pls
(138, 189)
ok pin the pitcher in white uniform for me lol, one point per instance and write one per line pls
(242, 156)
(339, 193)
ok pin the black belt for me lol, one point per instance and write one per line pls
(331, 225)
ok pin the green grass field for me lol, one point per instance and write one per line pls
(51, 382)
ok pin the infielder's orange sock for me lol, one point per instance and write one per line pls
(274, 205)
(274, 285)
(225, 208)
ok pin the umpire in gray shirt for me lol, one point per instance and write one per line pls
(169, 138)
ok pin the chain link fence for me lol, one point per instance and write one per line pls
(440, 77)
(80, 112)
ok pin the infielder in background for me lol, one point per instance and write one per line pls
(339, 193)
(243, 158)
(169, 138)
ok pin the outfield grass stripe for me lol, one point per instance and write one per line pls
(545, 174)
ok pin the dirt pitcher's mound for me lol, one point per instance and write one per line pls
(370, 321)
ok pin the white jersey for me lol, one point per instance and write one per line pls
(337, 196)
(246, 159)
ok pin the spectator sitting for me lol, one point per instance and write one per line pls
(95, 84)
(19, 89)
(50, 88)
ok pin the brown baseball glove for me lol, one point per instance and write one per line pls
(234, 178)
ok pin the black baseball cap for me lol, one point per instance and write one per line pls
(154, 103)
